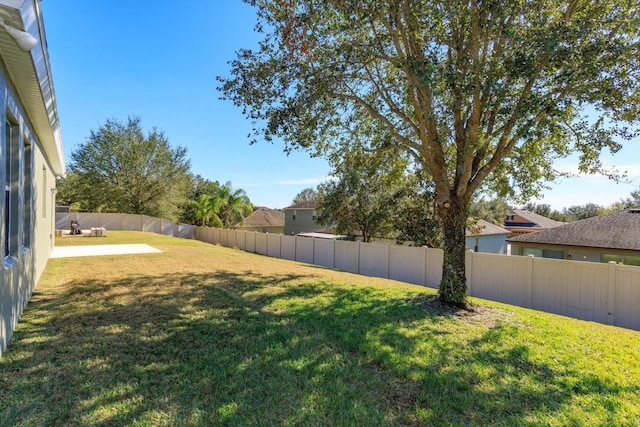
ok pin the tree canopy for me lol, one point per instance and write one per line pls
(306, 195)
(233, 205)
(481, 94)
(120, 169)
(364, 193)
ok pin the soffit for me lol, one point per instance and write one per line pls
(30, 75)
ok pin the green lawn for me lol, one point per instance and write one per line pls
(205, 335)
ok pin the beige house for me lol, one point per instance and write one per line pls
(31, 157)
(612, 237)
(519, 222)
(263, 220)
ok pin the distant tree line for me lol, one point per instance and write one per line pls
(120, 168)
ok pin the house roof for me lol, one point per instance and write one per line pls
(485, 228)
(309, 204)
(534, 218)
(264, 217)
(618, 230)
(30, 73)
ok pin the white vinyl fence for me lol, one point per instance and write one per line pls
(119, 221)
(604, 293)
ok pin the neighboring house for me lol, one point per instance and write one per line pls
(301, 218)
(487, 237)
(520, 222)
(263, 220)
(612, 237)
(31, 157)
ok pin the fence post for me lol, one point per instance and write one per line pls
(333, 263)
(426, 265)
(611, 299)
(359, 243)
(529, 282)
(468, 257)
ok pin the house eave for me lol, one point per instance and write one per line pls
(30, 75)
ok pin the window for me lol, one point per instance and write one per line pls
(532, 251)
(7, 218)
(11, 193)
(314, 216)
(621, 259)
(294, 215)
(27, 194)
(550, 253)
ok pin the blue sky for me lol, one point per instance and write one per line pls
(159, 60)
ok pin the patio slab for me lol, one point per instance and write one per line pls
(98, 250)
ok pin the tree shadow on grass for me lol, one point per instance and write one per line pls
(250, 349)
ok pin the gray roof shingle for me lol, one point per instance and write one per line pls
(309, 204)
(264, 217)
(485, 228)
(618, 230)
(534, 218)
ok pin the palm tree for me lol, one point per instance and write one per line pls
(206, 208)
(233, 205)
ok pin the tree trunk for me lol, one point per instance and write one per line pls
(453, 286)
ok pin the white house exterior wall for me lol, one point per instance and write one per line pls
(23, 266)
(30, 160)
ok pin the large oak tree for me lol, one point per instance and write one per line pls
(121, 169)
(479, 93)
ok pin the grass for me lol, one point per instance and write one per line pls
(205, 335)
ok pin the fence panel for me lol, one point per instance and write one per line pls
(241, 239)
(232, 237)
(323, 252)
(627, 297)
(407, 264)
(223, 238)
(304, 249)
(273, 245)
(433, 268)
(186, 231)
(347, 255)
(374, 260)
(132, 222)
(215, 236)
(288, 247)
(587, 291)
(151, 224)
(549, 289)
(169, 228)
(261, 243)
(88, 220)
(63, 220)
(206, 234)
(111, 221)
(251, 241)
(499, 278)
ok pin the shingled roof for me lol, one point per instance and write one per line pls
(618, 230)
(309, 204)
(264, 217)
(534, 218)
(485, 228)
